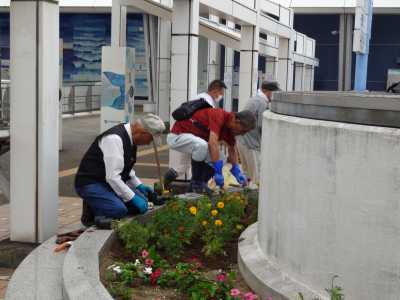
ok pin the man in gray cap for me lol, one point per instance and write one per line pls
(106, 180)
(249, 144)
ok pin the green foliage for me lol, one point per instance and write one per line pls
(172, 228)
(335, 292)
(134, 236)
(119, 291)
(188, 280)
(220, 228)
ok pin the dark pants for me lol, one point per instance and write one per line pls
(201, 172)
(103, 201)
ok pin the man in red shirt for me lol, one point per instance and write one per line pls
(201, 135)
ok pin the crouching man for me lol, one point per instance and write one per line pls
(200, 136)
(106, 180)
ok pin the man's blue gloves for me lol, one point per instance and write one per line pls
(238, 174)
(140, 203)
(144, 189)
(218, 177)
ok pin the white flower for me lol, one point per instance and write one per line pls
(117, 270)
(137, 263)
(148, 270)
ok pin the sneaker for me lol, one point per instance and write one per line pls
(87, 217)
(197, 187)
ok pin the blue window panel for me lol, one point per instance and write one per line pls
(324, 29)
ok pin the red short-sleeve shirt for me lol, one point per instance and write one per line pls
(214, 119)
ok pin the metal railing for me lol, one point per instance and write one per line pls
(5, 104)
(77, 97)
(81, 97)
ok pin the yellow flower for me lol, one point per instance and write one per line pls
(239, 227)
(204, 223)
(220, 204)
(218, 223)
(214, 212)
(193, 210)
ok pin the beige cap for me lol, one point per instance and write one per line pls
(153, 124)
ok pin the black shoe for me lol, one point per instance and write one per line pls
(87, 217)
(170, 176)
(102, 222)
(197, 187)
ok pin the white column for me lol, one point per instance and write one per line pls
(312, 78)
(299, 73)
(249, 45)
(184, 56)
(228, 73)
(202, 63)
(164, 69)
(34, 31)
(345, 52)
(60, 83)
(285, 64)
(270, 68)
(118, 24)
(214, 54)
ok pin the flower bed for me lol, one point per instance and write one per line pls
(188, 250)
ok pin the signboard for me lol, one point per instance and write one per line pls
(361, 36)
(393, 76)
(118, 86)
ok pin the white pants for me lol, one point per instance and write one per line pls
(189, 144)
(250, 160)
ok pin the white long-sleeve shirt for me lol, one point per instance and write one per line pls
(208, 98)
(113, 155)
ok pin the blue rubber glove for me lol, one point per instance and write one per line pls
(140, 203)
(144, 189)
(240, 177)
(218, 176)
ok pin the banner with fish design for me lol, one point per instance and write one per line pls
(118, 86)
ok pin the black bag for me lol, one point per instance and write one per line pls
(187, 109)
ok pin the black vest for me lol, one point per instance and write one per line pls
(92, 168)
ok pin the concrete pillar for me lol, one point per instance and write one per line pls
(228, 73)
(345, 52)
(202, 70)
(249, 45)
(34, 32)
(299, 73)
(270, 68)
(285, 64)
(60, 84)
(184, 56)
(118, 24)
(164, 69)
(214, 54)
(312, 78)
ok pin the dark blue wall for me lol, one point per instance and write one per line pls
(322, 28)
(384, 48)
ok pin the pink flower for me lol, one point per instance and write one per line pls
(250, 296)
(221, 277)
(145, 253)
(235, 292)
(149, 262)
(154, 277)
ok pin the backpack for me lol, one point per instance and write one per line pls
(187, 109)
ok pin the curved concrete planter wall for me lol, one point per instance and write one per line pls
(330, 204)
